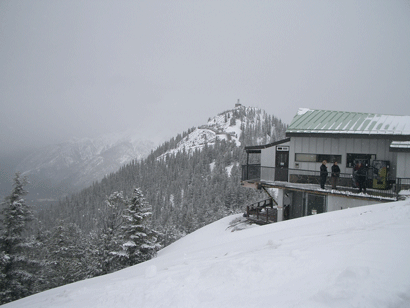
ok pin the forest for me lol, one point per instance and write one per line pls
(125, 218)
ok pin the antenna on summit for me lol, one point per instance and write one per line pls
(238, 104)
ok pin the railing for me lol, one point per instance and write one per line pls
(251, 172)
(261, 211)
(402, 184)
(383, 187)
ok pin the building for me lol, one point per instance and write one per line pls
(380, 142)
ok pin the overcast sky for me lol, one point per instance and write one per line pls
(85, 68)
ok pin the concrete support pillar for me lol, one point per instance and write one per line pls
(280, 204)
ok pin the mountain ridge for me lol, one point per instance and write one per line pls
(239, 125)
(72, 165)
(59, 170)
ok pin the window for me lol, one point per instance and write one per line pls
(316, 158)
(350, 158)
(254, 158)
(305, 157)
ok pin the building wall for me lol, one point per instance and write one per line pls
(268, 161)
(335, 203)
(268, 156)
(403, 165)
(299, 202)
(339, 146)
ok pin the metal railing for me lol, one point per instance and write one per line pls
(376, 186)
(402, 184)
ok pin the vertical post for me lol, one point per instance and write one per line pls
(247, 165)
(398, 187)
(280, 204)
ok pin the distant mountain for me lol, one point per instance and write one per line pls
(189, 181)
(241, 125)
(58, 170)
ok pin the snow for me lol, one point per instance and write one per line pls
(217, 128)
(228, 169)
(302, 111)
(404, 193)
(212, 166)
(194, 141)
(356, 257)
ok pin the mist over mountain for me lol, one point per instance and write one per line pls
(8, 163)
(58, 170)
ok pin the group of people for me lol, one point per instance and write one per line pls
(324, 173)
(360, 172)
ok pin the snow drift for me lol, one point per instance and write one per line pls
(351, 258)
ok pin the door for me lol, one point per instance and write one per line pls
(282, 164)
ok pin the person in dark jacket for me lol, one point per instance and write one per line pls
(335, 175)
(361, 175)
(323, 174)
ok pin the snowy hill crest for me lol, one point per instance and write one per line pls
(241, 125)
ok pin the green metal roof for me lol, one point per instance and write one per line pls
(341, 122)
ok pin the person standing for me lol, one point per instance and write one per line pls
(335, 175)
(361, 173)
(323, 174)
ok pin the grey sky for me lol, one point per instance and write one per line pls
(84, 68)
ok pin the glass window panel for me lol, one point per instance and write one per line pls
(305, 157)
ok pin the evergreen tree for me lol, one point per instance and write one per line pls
(16, 268)
(68, 251)
(108, 238)
(139, 242)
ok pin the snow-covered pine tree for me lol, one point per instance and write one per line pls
(139, 241)
(68, 255)
(109, 232)
(16, 268)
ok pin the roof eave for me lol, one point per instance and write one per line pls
(264, 146)
(340, 134)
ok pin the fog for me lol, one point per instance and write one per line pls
(86, 68)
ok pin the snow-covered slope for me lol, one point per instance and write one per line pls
(351, 258)
(75, 164)
(228, 125)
